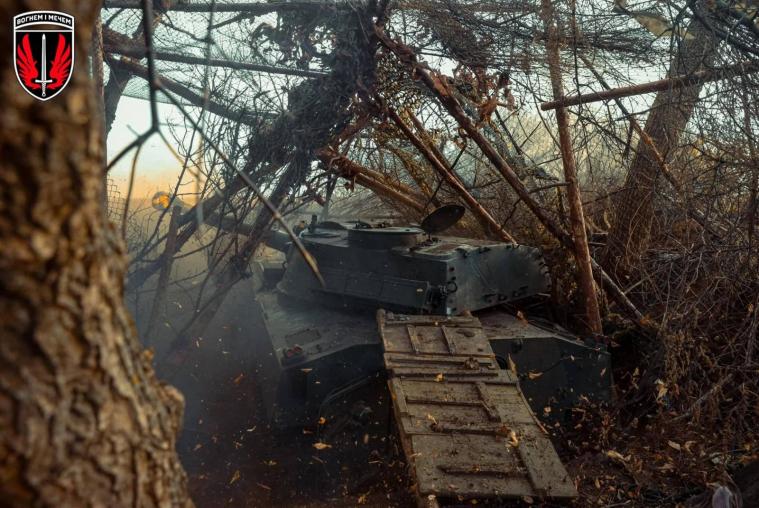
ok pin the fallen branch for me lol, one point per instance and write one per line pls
(705, 76)
(576, 215)
(487, 220)
(365, 177)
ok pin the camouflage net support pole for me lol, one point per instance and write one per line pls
(576, 215)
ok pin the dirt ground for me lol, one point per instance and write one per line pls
(233, 458)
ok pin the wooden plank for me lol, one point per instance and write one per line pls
(464, 424)
(439, 340)
(449, 342)
(413, 339)
(548, 476)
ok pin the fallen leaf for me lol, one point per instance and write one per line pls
(235, 477)
(615, 455)
(674, 445)
(439, 378)
(534, 375)
(322, 420)
(238, 378)
(520, 316)
(322, 446)
(512, 365)
(661, 389)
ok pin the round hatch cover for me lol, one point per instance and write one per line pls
(442, 218)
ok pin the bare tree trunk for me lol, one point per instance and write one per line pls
(576, 216)
(672, 108)
(752, 205)
(84, 420)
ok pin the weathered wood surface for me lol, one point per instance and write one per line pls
(85, 421)
(465, 426)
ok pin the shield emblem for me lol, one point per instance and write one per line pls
(43, 43)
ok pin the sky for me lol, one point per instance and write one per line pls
(157, 169)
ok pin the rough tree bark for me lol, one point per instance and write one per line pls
(84, 420)
(671, 110)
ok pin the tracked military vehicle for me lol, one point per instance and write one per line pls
(319, 341)
(427, 310)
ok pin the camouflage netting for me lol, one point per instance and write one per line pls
(236, 38)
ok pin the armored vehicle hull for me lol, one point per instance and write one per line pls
(317, 343)
(332, 352)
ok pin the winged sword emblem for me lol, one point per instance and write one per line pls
(26, 64)
(41, 76)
